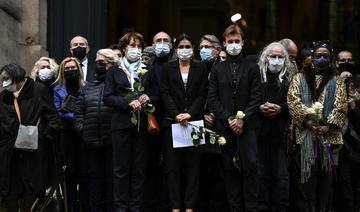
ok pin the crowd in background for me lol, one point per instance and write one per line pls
(296, 148)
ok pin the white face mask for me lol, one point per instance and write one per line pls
(133, 54)
(185, 54)
(9, 85)
(45, 74)
(275, 64)
(233, 49)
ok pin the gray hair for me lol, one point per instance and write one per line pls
(110, 55)
(212, 39)
(264, 63)
(53, 67)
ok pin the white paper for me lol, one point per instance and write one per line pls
(181, 135)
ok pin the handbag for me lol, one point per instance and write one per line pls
(152, 126)
(27, 136)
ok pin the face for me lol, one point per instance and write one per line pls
(292, 52)
(184, 44)
(161, 37)
(223, 55)
(79, 41)
(44, 64)
(233, 38)
(71, 65)
(344, 57)
(100, 59)
(276, 51)
(4, 76)
(208, 45)
(118, 52)
(134, 43)
(322, 52)
(145, 59)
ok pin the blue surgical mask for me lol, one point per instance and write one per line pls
(206, 54)
(162, 49)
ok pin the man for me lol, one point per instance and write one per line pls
(234, 86)
(148, 55)
(79, 48)
(275, 71)
(291, 49)
(156, 175)
(209, 50)
(345, 64)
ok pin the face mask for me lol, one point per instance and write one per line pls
(206, 54)
(71, 76)
(233, 49)
(185, 54)
(79, 52)
(100, 69)
(9, 85)
(133, 54)
(162, 49)
(321, 63)
(347, 67)
(275, 64)
(45, 74)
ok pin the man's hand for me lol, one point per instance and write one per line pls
(182, 118)
(236, 125)
(209, 119)
(136, 105)
(270, 110)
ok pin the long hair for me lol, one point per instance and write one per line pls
(264, 63)
(61, 78)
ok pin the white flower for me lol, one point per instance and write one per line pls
(212, 139)
(310, 110)
(317, 106)
(240, 115)
(141, 71)
(195, 137)
(221, 141)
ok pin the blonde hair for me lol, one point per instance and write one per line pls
(110, 55)
(53, 67)
(61, 79)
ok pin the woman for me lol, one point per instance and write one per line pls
(45, 71)
(92, 121)
(129, 141)
(318, 134)
(24, 174)
(68, 85)
(183, 89)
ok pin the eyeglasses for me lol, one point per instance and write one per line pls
(184, 47)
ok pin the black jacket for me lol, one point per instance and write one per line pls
(92, 117)
(116, 88)
(33, 167)
(176, 99)
(226, 98)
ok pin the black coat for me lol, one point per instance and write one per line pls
(225, 99)
(116, 87)
(176, 99)
(92, 117)
(18, 167)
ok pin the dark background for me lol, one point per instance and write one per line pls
(103, 22)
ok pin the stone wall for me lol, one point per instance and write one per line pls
(23, 28)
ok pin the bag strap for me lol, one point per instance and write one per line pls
(16, 104)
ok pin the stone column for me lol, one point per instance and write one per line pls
(23, 31)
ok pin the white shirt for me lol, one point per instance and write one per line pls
(84, 67)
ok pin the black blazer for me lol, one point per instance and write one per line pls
(176, 99)
(90, 76)
(225, 100)
(116, 87)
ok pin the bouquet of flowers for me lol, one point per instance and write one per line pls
(135, 91)
(315, 113)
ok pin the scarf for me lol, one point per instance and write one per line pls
(130, 69)
(307, 148)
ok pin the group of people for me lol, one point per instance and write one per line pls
(295, 148)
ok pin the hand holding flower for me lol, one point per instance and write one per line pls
(136, 105)
(144, 99)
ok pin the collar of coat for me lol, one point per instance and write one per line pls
(26, 92)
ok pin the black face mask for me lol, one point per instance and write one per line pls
(100, 70)
(346, 67)
(71, 76)
(79, 52)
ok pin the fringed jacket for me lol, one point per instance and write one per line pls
(336, 117)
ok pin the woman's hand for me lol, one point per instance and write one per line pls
(143, 99)
(136, 105)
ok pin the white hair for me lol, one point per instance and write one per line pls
(110, 55)
(264, 63)
(53, 67)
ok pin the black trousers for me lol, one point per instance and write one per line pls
(241, 185)
(273, 175)
(178, 159)
(74, 174)
(129, 162)
(99, 178)
(348, 183)
(315, 194)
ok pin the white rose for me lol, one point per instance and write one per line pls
(195, 137)
(141, 71)
(221, 141)
(212, 139)
(240, 115)
(310, 111)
